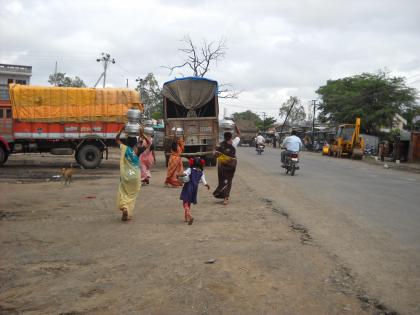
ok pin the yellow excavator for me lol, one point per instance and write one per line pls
(347, 142)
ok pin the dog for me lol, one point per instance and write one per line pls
(67, 174)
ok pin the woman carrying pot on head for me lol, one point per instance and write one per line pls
(226, 164)
(147, 158)
(175, 166)
(130, 184)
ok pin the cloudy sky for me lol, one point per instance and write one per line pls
(276, 48)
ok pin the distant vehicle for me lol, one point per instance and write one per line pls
(248, 131)
(63, 121)
(347, 142)
(291, 163)
(191, 104)
(260, 149)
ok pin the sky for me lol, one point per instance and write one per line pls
(275, 49)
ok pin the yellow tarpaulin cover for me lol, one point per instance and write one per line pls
(63, 104)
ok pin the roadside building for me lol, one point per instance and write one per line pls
(13, 74)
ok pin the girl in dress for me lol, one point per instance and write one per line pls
(189, 191)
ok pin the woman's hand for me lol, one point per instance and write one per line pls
(208, 186)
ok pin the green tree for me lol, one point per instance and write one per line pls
(297, 114)
(374, 97)
(151, 95)
(60, 79)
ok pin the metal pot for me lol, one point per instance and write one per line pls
(148, 130)
(148, 123)
(132, 129)
(134, 115)
(227, 124)
(179, 131)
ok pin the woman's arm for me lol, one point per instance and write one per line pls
(117, 138)
(142, 136)
(238, 132)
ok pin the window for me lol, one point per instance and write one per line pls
(9, 81)
(8, 113)
(23, 82)
(1, 112)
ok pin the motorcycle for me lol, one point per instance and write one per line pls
(291, 162)
(260, 149)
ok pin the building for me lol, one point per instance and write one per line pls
(12, 74)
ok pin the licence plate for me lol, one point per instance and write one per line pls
(295, 159)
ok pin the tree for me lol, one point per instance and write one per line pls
(374, 97)
(151, 95)
(200, 59)
(60, 79)
(297, 113)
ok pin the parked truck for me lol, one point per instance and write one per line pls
(63, 121)
(192, 104)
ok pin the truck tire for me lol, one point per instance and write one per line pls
(3, 156)
(89, 156)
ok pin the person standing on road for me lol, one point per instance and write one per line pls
(189, 192)
(129, 186)
(226, 164)
(291, 144)
(175, 166)
(147, 158)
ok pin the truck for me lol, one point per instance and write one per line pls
(63, 121)
(191, 103)
(248, 131)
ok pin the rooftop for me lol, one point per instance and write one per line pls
(15, 69)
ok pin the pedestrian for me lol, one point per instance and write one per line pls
(195, 175)
(381, 151)
(226, 164)
(147, 158)
(175, 166)
(129, 186)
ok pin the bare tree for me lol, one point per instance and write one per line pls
(200, 59)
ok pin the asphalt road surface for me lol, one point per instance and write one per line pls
(365, 215)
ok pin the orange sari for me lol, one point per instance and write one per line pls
(175, 166)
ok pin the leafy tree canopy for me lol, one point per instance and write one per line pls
(374, 97)
(60, 79)
(297, 113)
(151, 95)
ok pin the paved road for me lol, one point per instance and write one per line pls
(366, 215)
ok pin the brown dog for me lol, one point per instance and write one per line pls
(67, 174)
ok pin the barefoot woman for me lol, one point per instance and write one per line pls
(226, 164)
(129, 174)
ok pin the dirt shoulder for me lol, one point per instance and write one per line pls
(65, 250)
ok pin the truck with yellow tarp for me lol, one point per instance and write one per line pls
(64, 121)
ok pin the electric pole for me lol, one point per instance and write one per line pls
(313, 125)
(105, 59)
(264, 114)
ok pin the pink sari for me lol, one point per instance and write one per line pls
(147, 161)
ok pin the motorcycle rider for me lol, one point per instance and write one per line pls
(291, 144)
(259, 140)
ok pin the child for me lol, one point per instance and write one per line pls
(190, 189)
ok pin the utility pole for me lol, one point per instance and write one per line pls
(105, 59)
(264, 114)
(313, 125)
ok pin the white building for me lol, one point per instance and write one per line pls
(13, 74)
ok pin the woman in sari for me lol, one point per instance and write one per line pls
(175, 166)
(129, 174)
(226, 164)
(147, 159)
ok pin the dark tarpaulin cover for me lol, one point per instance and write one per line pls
(192, 93)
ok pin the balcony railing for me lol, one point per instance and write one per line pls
(15, 69)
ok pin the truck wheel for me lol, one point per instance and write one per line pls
(3, 156)
(89, 156)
